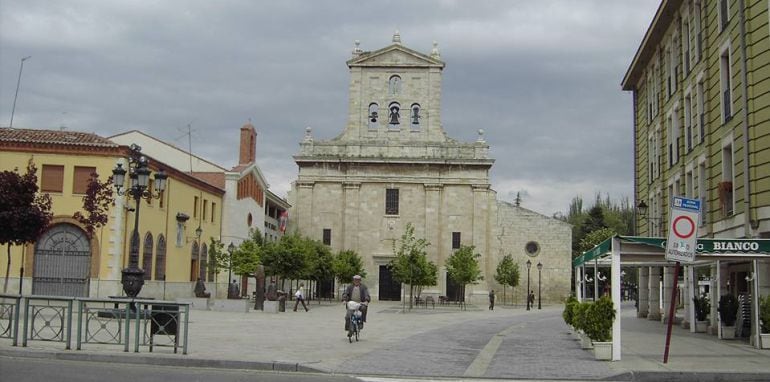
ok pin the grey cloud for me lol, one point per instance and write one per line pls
(540, 77)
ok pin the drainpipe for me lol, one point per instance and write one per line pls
(745, 88)
(636, 175)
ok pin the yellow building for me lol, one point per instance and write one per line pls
(66, 261)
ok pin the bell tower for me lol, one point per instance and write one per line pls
(394, 95)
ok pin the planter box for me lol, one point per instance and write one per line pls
(701, 326)
(765, 340)
(603, 351)
(728, 332)
(585, 342)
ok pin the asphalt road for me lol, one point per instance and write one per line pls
(36, 370)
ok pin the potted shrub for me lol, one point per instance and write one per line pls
(764, 317)
(568, 311)
(601, 316)
(702, 309)
(728, 312)
(581, 323)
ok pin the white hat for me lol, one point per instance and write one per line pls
(357, 277)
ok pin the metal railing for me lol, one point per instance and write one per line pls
(99, 321)
(10, 305)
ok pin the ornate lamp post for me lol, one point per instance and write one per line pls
(232, 292)
(133, 277)
(539, 268)
(529, 265)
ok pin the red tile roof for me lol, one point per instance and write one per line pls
(216, 179)
(56, 137)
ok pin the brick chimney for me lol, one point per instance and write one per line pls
(248, 151)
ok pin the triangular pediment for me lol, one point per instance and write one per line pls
(395, 55)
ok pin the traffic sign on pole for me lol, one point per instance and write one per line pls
(683, 230)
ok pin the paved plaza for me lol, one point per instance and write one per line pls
(509, 342)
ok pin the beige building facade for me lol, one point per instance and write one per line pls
(394, 164)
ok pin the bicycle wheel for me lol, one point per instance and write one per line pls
(357, 331)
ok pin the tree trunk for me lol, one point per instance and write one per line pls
(7, 269)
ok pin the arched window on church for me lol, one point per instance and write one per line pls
(147, 256)
(394, 85)
(394, 116)
(415, 116)
(160, 258)
(373, 115)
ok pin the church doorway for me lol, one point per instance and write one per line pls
(454, 291)
(62, 262)
(390, 290)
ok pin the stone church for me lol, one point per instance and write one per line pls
(394, 164)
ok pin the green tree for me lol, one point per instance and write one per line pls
(507, 273)
(346, 265)
(595, 237)
(246, 256)
(463, 267)
(320, 262)
(219, 259)
(287, 259)
(410, 264)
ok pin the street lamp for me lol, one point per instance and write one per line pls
(18, 82)
(132, 277)
(231, 291)
(529, 265)
(539, 269)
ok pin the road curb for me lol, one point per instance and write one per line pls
(162, 360)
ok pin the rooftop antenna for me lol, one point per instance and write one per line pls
(189, 134)
(18, 82)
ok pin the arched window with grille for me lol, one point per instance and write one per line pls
(394, 115)
(415, 116)
(373, 115)
(160, 258)
(147, 256)
(204, 262)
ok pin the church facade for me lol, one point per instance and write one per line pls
(394, 165)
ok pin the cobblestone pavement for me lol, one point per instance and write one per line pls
(534, 344)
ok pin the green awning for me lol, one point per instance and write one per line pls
(729, 246)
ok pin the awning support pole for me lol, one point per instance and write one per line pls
(615, 291)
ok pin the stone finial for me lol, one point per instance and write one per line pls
(481, 136)
(397, 37)
(308, 134)
(434, 52)
(357, 50)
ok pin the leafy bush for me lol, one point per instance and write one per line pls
(728, 309)
(579, 315)
(599, 319)
(568, 313)
(702, 308)
(764, 313)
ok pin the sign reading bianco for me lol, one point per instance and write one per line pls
(735, 246)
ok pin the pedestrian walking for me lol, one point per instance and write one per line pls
(492, 299)
(531, 299)
(300, 296)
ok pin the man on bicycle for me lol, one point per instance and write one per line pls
(359, 293)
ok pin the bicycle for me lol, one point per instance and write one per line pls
(356, 320)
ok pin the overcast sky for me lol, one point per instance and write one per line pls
(540, 77)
